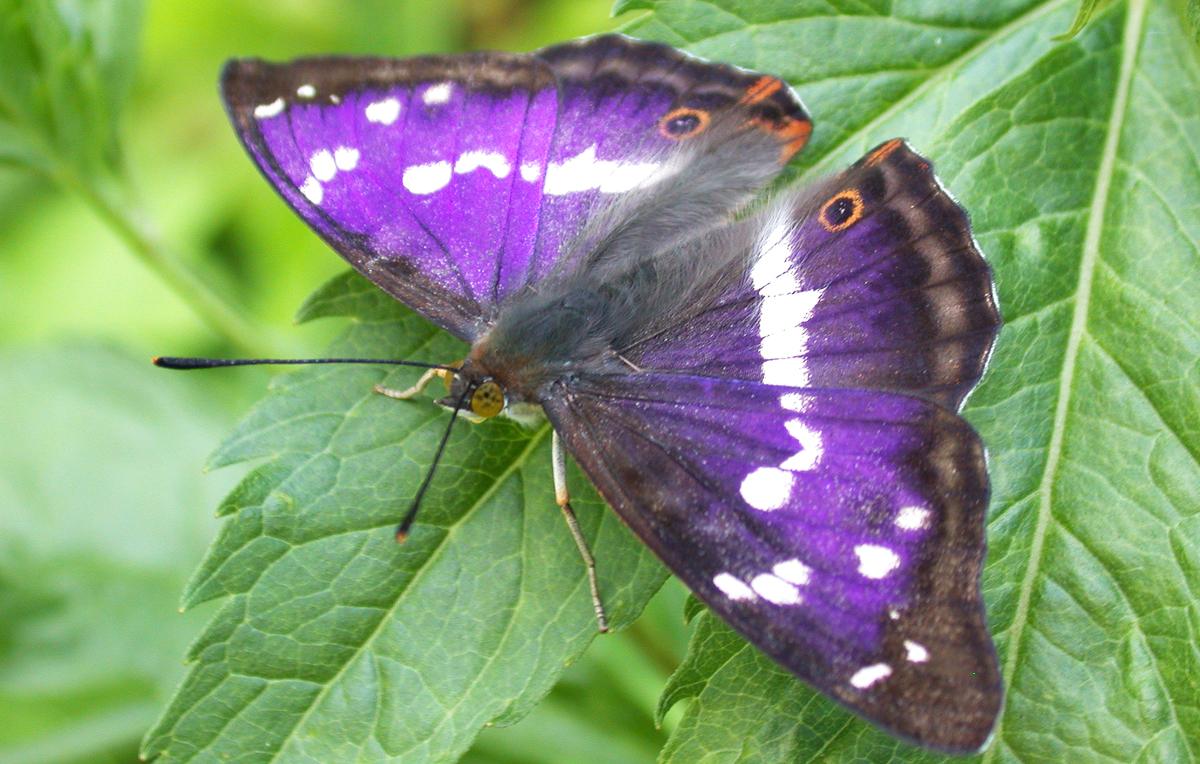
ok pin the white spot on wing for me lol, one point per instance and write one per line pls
(785, 371)
(794, 306)
(912, 518)
(767, 488)
(771, 263)
(793, 571)
(439, 93)
(306, 91)
(345, 158)
(783, 343)
(265, 110)
(584, 172)
(916, 651)
(783, 309)
(774, 589)
(733, 587)
(876, 561)
(322, 165)
(530, 171)
(869, 675)
(427, 178)
(493, 161)
(384, 112)
(312, 190)
(811, 447)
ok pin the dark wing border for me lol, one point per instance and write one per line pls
(931, 708)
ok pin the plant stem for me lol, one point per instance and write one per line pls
(218, 313)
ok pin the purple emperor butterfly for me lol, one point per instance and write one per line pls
(765, 393)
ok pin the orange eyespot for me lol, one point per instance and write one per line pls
(683, 122)
(488, 400)
(844, 209)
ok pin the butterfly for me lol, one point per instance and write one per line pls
(764, 390)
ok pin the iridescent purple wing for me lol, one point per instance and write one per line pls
(840, 531)
(408, 168)
(650, 119)
(454, 182)
(869, 280)
(789, 447)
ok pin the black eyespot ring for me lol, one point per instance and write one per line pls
(683, 122)
(842, 210)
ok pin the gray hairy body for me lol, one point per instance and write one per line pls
(670, 250)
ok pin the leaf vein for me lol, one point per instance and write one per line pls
(940, 73)
(1135, 626)
(1162, 419)
(518, 462)
(1131, 44)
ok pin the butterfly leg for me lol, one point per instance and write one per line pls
(407, 393)
(559, 464)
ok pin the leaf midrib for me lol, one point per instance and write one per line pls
(534, 440)
(1136, 11)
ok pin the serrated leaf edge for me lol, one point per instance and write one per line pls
(535, 440)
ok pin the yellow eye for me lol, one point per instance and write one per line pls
(488, 400)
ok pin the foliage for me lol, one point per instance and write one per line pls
(66, 78)
(337, 640)
(1087, 8)
(89, 564)
(1076, 157)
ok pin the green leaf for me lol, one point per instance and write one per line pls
(347, 294)
(621, 6)
(1080, 164)
(334, 643)
(602, 709)
(68, 69)
(103, 510)
(1084, 14)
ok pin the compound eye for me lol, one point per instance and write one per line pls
(488, 400)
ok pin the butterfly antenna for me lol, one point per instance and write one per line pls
(406, 524)
(186, 364)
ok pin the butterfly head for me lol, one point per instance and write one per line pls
(473, 393)
(487, 399)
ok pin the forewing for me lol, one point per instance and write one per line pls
(408, 168)
(870, 280)
(840, 531)
(653, 143)
(455, 181)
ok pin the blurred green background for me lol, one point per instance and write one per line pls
(104, 510)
